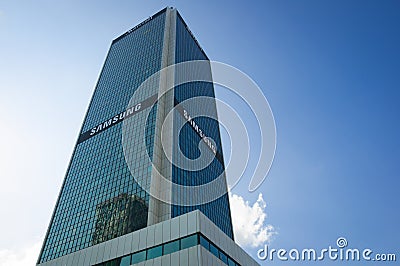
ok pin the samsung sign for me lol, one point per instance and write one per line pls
(131, 111)
(137, 108)
(199, 131)
(118, 118)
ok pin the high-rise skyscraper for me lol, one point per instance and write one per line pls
(113, 209)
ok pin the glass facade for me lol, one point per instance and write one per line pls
(100, 199)
(218, 211)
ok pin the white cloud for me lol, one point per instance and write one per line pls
(24, 256)
(249, 222)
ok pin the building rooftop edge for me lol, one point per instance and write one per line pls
(153, 16)
(139, 25)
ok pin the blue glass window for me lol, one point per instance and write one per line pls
(223, 257)
(214, 250)
(125, 261)
(231, 262)
(154, 252)
(204, 242)
(171, 247)
(138, 257)
(189, 241)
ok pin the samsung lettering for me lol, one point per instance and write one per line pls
(131, 111)
(199, 131)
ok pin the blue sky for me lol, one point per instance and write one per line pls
(329, 69)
